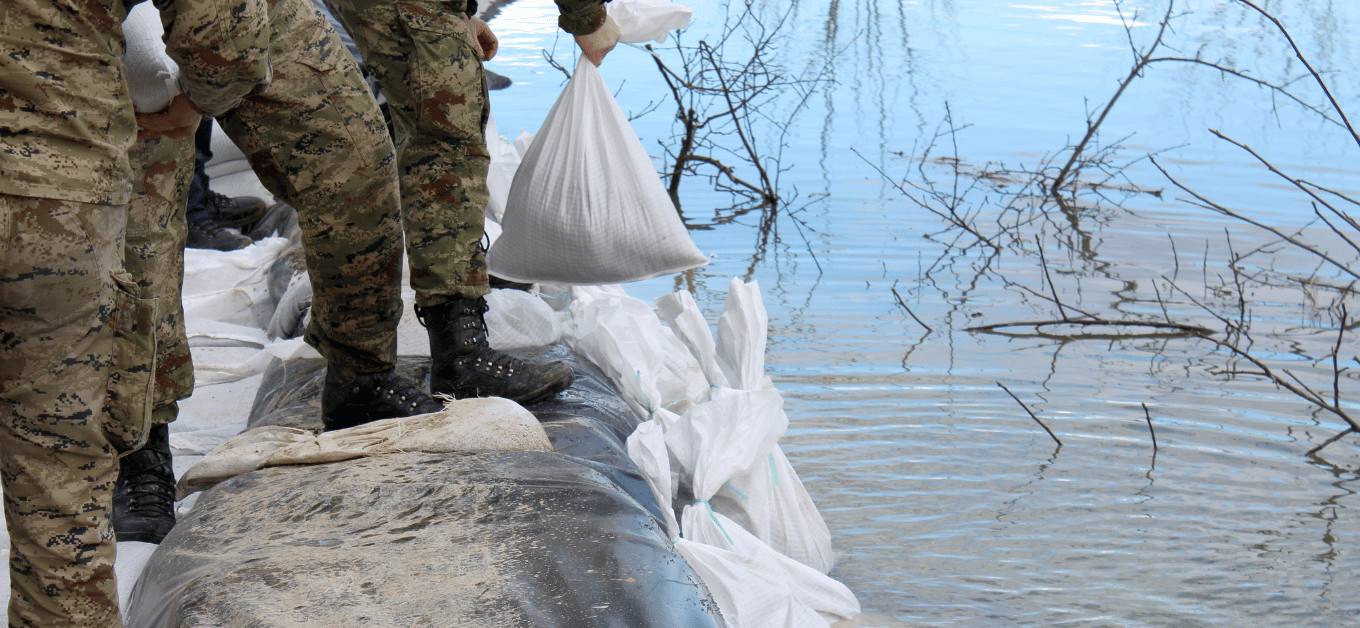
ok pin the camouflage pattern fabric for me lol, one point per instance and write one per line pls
(65, 117)
(418, 52)
(222, 48)
(154, 256)
(318, 142)
(61, 291)
(76, 345)
(580, 17)
(57, 142)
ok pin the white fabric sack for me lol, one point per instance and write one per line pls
(806, 586)
(771, 502)
(478, 424)
(517, 319)
(153, 77)
(648, 20)
(647, 450)
(680, 311)
(727, 435)
(504, 162)
(642, 358)
(742, 333)
(586, 206)
(770, 499)
(747, 591)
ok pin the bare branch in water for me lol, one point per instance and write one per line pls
(1031, 414)
(1148, 416)
(913, 314)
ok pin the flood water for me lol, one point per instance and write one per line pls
(948, 504)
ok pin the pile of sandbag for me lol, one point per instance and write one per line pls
(710, 449)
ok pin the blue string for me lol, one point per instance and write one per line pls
(646, 402)
(773, 471)
(715, 519)
(736, 490)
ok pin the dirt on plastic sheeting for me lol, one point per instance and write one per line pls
(571, 538)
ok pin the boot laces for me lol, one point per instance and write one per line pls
(396, 391)
(151, 491)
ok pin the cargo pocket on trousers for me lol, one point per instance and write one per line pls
(127, 407)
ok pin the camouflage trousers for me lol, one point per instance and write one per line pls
(418, 52)
(318, 142)
(76, 363)
(154, 256)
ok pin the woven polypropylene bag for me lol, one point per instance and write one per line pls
(586, 206)
(152, 74)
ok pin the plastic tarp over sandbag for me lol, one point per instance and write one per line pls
(586, 206)
(571, 538)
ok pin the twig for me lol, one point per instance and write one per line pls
(1148, 416)
(1331, 440)
(913, 315)
(1031, 414)
(1179, 327)
(1299, 54)
(1043, 262)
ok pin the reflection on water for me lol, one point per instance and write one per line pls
(949, 505)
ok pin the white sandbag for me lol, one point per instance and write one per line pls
(771, 502)
(770, 499)
(727, 435)
(748, 592)
(742, 333)
(806, 586)
(478, 424)
(129, 560)
(586, 205)
(517, 319)
(680, 311)
(504, 162)
(153, 77)
(650, 366)
(648, 20)
(647, 450)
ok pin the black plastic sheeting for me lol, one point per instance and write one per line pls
(572, 538)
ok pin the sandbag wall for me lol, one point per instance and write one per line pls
(571, 538)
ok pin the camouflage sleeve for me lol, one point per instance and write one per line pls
(222, 48)
(580, 17)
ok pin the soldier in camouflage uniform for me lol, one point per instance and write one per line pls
(76, 355)
(316, 139)
(426, 59)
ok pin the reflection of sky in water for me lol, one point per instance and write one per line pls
(952, 508)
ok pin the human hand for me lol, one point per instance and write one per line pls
(598, 44)
(482, 39)
(176, 121)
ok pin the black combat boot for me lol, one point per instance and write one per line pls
(350, 400)
(144, 497)
(464, 365)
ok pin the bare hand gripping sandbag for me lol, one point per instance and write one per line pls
(586, 206)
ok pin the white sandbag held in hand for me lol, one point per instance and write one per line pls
(648, 20)
(153, 77)
(586, 206)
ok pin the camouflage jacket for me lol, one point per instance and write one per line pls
(66, 119)
(580, 17)
(221, 46)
